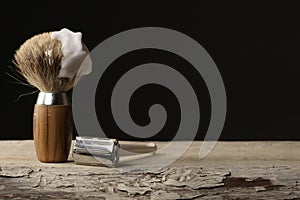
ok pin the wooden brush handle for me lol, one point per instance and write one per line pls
(52, 132)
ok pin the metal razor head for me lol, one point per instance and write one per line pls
(95, 151)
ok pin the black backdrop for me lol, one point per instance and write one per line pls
(255, 46)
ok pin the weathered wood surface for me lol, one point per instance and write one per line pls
(233, 170)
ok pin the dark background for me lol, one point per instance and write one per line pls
(255, 46)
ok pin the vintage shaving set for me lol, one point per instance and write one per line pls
(54, 62)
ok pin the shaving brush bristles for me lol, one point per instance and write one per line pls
(39, 61)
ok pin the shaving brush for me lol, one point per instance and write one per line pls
(40, 61)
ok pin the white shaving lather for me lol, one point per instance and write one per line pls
(76, 60)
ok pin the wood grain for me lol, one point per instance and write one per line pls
(52, 132)
(258, 170)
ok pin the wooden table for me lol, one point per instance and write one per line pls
(233, 170)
